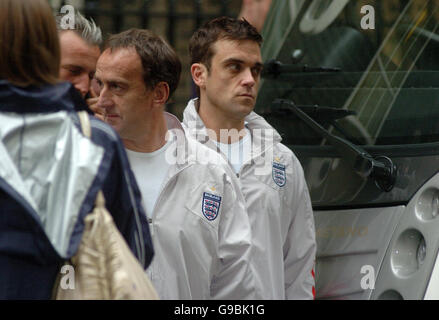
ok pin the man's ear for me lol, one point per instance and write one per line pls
(199, 74)
(160, 93)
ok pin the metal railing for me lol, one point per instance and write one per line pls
(118, 11)
(176, 20)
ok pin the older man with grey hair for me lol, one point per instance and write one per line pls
(80, 50)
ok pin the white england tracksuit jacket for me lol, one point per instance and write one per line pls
(200, 228)
(279, 208)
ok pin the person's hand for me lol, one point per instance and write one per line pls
(255, 12)
(93, 105)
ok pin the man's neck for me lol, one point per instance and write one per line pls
(221, 127)
(152, 136)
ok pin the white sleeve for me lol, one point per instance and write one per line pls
(300, 244)
(233, 279)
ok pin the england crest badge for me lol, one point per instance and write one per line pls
(211, 205)
(279, 174)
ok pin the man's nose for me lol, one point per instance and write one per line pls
(104, 99)
(95, 87)
(248, 78)
(82, 84)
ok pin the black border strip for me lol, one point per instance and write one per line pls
(360, 206)
(399, 151)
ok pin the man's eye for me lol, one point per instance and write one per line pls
(256, 72)
(74, 71)
(115, 86)
(234, 67)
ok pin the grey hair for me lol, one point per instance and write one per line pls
(86, 29)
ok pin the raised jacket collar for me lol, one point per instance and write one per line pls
(264, 136)
(45, 99)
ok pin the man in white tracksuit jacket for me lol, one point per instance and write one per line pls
(200, 256)
(226, 66)
(199, 226)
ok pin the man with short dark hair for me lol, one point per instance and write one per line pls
(200, 229)
(226, 67)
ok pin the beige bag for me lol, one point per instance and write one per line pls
(104, 266)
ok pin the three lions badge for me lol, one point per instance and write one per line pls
(211, 205)
(279, 174)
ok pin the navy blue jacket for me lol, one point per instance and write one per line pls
(29, 262)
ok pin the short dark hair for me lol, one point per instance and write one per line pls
(29, 44)
(201, 42)
(159, 61)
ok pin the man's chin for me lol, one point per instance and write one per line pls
(112, 123)
(246, 108)
(239, 114)
(246, 101)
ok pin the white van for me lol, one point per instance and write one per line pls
(367, 74)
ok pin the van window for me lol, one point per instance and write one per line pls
(387, 57)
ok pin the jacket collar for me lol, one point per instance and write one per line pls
(45, 99)
(264, 136)
(172, 122)
(183, 150)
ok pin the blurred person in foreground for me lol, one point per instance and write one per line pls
(200, 229)
(50, 173)
(226, 67)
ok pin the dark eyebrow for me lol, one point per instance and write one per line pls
(72, 66)
(119, 83)
(234, 60)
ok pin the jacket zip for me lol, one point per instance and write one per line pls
(151, 220)
(248, 162)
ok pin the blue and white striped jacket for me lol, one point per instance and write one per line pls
(49, 177)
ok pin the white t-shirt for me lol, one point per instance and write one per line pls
(239, 152)
(150, 170)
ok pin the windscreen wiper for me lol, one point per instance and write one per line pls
(274, 68)
(322, 114)
(380, 168)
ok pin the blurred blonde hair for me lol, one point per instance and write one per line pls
(85, 28)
